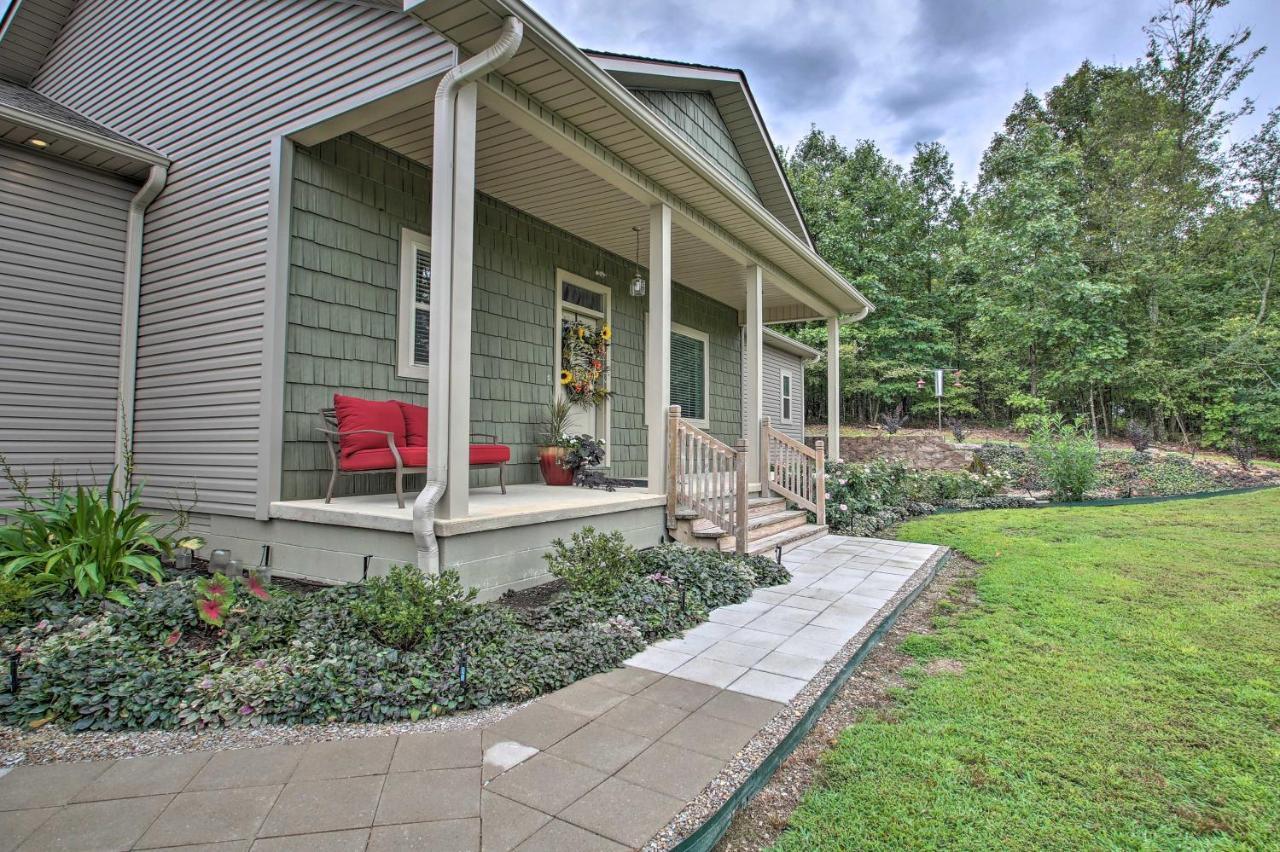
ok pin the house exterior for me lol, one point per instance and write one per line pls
(216, 219)
(783, 360)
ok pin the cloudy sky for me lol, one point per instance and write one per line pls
(895, 71)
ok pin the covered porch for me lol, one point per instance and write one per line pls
(440, 239)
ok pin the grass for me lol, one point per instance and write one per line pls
(1120, 689)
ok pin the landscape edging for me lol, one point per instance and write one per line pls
(713, 828)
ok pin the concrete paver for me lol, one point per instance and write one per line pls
(598, 766)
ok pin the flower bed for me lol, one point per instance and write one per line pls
(394, 648)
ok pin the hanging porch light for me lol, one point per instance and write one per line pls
(638, 285)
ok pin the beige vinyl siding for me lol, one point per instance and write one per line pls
(696, 117)
(61, 283)
(209, 85)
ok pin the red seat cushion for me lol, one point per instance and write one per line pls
(415, 424)
(490, 453)
(383, 460)
(355, 413)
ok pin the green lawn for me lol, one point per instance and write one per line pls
(1121, 689)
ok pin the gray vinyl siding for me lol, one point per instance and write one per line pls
(30, 34)
(351, 199)
(695, 116)
(774, 361)
(209, 87)
(61, 284)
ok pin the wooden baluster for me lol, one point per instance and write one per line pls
(673, 463)
(821, 464)
(740, 502)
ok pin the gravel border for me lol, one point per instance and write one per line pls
(753, 754)
(53, 745)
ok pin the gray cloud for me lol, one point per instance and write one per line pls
(894, 71)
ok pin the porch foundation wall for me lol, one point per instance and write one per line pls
(491, 561)
(511, 558)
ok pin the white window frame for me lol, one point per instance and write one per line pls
(411, 242)
(702, 422)
(786, 395)
(604, 412)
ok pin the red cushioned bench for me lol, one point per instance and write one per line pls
(376, 436)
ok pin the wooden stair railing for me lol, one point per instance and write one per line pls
(794, 471)
(707, 476)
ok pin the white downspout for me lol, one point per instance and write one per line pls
(442, 237)
(131, 297)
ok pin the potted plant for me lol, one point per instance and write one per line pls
(555, 443)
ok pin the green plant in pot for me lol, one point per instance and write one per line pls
(554, 444)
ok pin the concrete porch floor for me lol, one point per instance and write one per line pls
(603, 764)
(525, 503)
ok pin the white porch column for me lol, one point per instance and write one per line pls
(657, 372)
(833, 388)
(452, 247)
(753, 365)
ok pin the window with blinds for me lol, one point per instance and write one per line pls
(421, 306)
(689, 374)
(415, 305)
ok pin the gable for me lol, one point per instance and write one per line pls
(28, 31)
(711, 106)
(695, 116)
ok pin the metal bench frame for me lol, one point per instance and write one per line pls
(332, 437)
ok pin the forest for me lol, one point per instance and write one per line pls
(1114, 262)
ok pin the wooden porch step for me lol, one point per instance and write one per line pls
(789, 539)
(758, 526)
(757, 505)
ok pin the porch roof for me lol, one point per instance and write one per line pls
(26, 115)
(551, 87)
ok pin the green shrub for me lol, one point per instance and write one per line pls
(407, 608)
(14, 594)
(77, 541)
(317, 657)
(941, 487)
(592, 562)
(1066, 456)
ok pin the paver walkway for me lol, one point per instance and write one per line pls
(602, 764)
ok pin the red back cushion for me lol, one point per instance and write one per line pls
(356, 413)
(415, 424)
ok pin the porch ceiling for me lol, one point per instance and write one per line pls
(520, 170)
(559, 78)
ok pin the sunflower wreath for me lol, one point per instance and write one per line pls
(584, 354)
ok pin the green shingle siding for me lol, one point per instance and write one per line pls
(350, 200)
(695, 116)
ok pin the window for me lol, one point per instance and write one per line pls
(786, 383)
(414, 350)
(689, 375)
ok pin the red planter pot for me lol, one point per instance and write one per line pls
(553, 473)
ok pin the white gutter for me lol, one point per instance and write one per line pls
(622, 100)
(442, 233)
(130, 300)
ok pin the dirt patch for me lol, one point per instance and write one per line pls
(867, 692)
(534, 597)
(944, 667)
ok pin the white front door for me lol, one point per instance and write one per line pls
(580, 300)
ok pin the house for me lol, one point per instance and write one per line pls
(216, 218)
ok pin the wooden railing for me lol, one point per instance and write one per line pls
(707, 476)
(793, 470)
